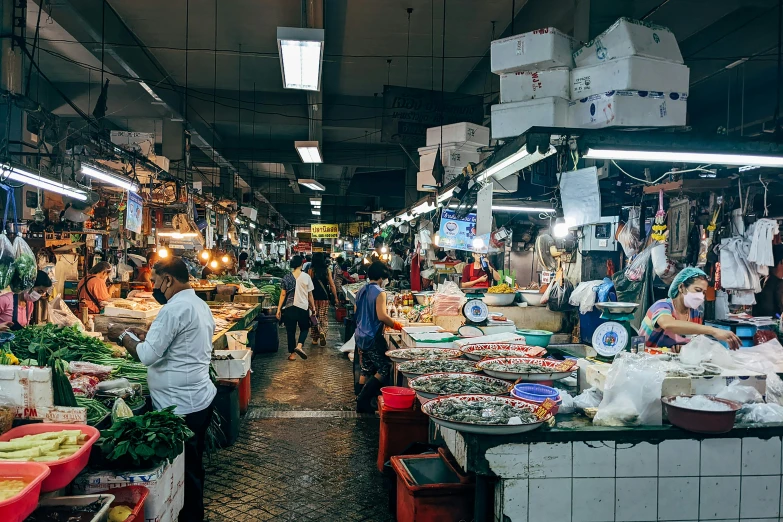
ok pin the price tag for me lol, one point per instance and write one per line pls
(545, 409)
(565, 366)
(546, 277)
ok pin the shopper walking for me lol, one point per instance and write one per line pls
(322, 284)
(371, 316)
(296, 299)
(177, 352)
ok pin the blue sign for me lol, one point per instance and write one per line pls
(134, 218)
(457, 234)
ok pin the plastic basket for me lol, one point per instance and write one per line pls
(535, 392)
(133, 497)
(64, 470)
(19, 507)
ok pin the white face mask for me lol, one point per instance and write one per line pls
(33, 295)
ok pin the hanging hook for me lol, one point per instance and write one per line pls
(765, 185)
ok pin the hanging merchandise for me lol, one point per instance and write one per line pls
(628, 233)
(659, 224)
(664, 267)
(678, 224)
(25, 267)
(764, 230)
(735, 271)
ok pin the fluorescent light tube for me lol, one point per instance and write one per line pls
(686, 157)
(311, 184)
(308, 151)
(316, 202)
(316, 212)
(178, 235)
(424, 207)
(514, 208)
(513, 163)
(109, 177)
(301, 56)
(24, 176)
(446, 195)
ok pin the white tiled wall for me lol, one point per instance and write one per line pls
(727, 480)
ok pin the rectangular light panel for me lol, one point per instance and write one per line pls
(311, 184)
(686, 157)
(308, 151)
(23, 176)
(301, 56)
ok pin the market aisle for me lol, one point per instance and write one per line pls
(302, 453)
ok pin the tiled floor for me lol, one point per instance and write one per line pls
(301, 453)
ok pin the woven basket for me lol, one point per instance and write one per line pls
(6, 419)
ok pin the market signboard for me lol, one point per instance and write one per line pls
(408, 113)
(321, 231)
(303, 246)
(456, 233)
(133, 217)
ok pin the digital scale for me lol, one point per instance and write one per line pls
(616, 334)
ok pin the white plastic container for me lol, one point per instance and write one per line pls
(450, 156)
(235, 368)
(632, 73)
(462, 133)
(528, 85)
(513, 119)
(425, 181)
(629, 109)
(627, 37)
(540, 49)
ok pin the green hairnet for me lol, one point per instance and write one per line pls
(685, 274)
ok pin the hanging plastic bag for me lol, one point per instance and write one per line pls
(7, 261)
(589, 398)
(448, 300)
(638, 265)
(628, 234)
(632, 394)
(559, 296)
(584, 295)
(664, 267)
(25, 267)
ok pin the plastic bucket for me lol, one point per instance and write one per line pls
(237, 339)
(398, 397)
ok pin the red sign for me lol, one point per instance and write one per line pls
(303, 246)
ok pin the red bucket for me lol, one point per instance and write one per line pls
(398, 397)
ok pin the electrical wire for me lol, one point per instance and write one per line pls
(703, 168)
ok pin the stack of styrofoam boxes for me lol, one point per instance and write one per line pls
(534, 71)
(632, 75)
(461, 142)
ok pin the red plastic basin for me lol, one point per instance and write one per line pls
(398, 397)
(64, 470)
(133, 497)
(19, 507)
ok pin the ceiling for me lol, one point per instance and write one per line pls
(235, 101)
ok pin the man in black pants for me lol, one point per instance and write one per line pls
(177, 350)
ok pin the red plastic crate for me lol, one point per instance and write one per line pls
(63, 470)
(19, 507)
(244, 394)
(133, 497)
(399, 429)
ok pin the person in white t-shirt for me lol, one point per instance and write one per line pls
(295, 306)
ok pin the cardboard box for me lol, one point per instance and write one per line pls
(513, 119)
(633, 73)
(629, 109)
(166, 485)
(425, 177)
(540, 49)
(449, 157)
(528, 85)
(235, 368)
(461, 133)
(627, 37)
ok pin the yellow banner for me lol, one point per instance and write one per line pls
(324, 231)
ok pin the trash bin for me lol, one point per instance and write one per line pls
(266, 340)
(430, 489)
(226, 405)
(350, 328)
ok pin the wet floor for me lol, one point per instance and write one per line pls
(302, 453)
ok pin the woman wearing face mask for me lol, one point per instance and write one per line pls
(16, 310)
(668, 321)
(476, 274)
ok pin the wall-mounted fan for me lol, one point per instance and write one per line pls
(547, 252)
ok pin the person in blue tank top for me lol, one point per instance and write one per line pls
(371, 316)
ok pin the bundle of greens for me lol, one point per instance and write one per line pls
(145, 441)
(7, 261)
(273, 291)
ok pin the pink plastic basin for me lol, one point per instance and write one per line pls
(19, 507)
(63, 470)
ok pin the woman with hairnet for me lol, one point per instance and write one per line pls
(668, 321)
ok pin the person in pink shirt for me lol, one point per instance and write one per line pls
(16, 310)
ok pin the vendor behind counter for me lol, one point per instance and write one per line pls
(92, 290)
(769, 302)
(17, 310)
(479, 273)
(669, 321)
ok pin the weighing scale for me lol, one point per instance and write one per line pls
(615, 335)
(475, 310)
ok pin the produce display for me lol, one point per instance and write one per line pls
(452, 383)
(502, 288)
(422, 367)
(43, 447)
(429, 354)
(145, 441)
(9, 488)
(486, 351)
(67, 513)
(516, 367)
(483, 411)
(273, 291)
(96, 411)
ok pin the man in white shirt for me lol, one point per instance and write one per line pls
(396, 263)
(177, 350)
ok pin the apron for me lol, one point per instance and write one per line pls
(87, 291)
(15, 326)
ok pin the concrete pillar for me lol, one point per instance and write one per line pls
(173, 145)
(592, 17)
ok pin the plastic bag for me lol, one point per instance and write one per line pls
(664, 267)
(120, 410)
(760, 414)
(589, 398)
(84, 385)
(632, 394)
(7, 261)
(87, 368)
(448, 300)
(628, 236)
(25, 267)
(703, 349)
(566, 403)
(638, 265)
(584, 295)
(736, 391)
(559, 296)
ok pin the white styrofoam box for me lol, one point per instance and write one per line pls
(512, 119)
(540, 49)
(235, 368)
(528, 85)
(629, 109)
(165, 484)
(627, 37)
(448, 158)
(632, 73)
(462, 133)
(27, 388)
(425, 177)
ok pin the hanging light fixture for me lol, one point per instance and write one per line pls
(24, 176)
(309, 151)
(213, 263)
(204, 255)
(163, 252)
(301, 55)
(311, 184)
(225, 259)
(109, 177)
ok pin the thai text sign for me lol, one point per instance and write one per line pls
(320, 231)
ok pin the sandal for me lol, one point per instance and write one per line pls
(292, 357)
(301, 353)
